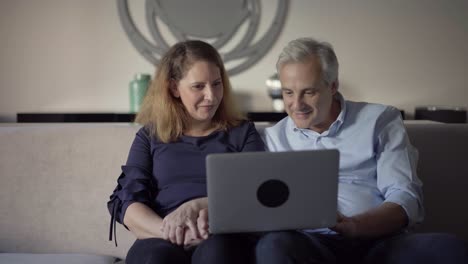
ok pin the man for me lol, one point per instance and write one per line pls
(379, 193)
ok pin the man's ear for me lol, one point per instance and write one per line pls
(334, 87)
(173, 88)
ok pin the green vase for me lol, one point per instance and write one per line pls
(138, 87)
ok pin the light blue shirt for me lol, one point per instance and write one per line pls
(377, 161)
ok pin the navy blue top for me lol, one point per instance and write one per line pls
(165, 175)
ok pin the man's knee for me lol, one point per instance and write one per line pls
(277, 242)
(445, 248)
(290, 247)
(422, 247)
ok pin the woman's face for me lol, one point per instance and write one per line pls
(201, 91)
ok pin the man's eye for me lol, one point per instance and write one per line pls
(310, 92)
(288, 93)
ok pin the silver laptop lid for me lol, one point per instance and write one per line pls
(265, 191)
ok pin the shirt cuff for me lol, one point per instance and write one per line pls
(410, 204)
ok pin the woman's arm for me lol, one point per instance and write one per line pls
(142, 221)
(136, 190)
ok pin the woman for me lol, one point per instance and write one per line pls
(187, 114)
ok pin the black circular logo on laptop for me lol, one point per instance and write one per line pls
(273, 193)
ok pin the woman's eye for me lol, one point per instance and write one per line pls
(198, 86)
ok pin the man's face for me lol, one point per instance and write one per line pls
(307, 99)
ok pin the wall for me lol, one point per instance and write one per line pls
(73, 55)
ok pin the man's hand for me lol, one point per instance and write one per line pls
(347, 226)
(202, 223)
(386, 219)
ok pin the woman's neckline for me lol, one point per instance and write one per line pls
(202, 136)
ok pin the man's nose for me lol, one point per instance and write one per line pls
(297, 101)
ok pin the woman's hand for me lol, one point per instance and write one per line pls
(177, 225)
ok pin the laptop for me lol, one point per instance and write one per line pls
(268, 191)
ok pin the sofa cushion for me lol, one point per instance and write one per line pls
(20, 258)
(56, 181)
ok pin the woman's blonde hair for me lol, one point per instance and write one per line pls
(163, 114)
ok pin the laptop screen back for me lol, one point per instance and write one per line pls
(266, 191)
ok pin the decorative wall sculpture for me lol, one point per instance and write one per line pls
(216, 21)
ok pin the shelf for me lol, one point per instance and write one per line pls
(119, 117)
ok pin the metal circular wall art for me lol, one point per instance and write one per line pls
(216, 21)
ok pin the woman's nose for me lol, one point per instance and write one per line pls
(209, 93)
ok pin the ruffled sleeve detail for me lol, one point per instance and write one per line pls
(135, 183)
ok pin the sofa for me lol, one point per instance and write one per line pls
(57, 178)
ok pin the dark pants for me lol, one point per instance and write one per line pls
(226, 249)
(297, 247)
(156, 250)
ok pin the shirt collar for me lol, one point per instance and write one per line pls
(341, 117)
(334, 127)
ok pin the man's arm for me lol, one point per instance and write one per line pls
(397, 181)
(383, 220)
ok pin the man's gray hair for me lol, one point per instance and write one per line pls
(300, 50)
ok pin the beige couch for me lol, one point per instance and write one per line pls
(56, 180)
